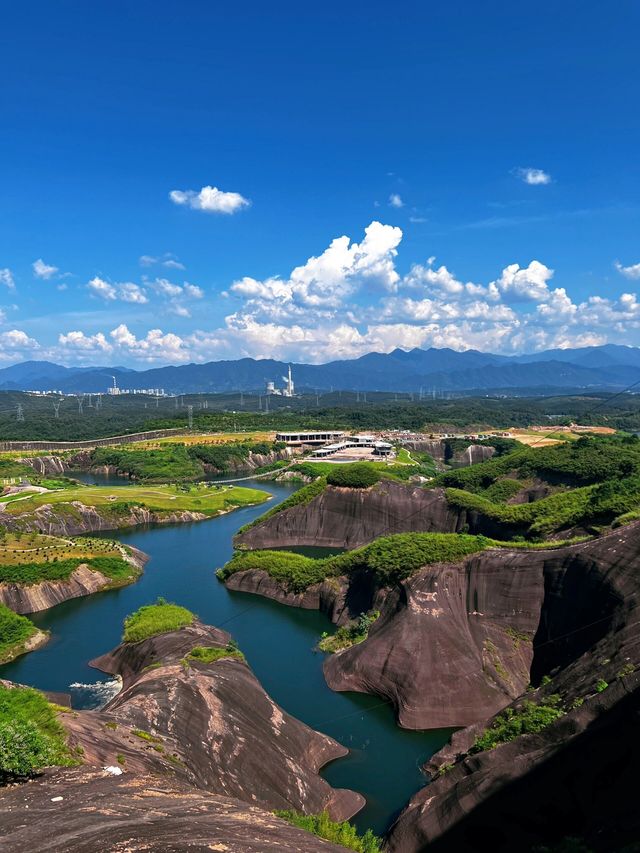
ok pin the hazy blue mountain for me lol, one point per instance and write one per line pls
(605, 367)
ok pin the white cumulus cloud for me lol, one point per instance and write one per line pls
(125, 291)
(533, 177)
(42, 270)
(632, 271)
(395, 200)
(210, 200)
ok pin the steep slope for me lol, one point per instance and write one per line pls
(348, 518)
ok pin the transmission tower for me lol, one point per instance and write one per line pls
(20, 413)
(56, 408)
(90, 403)
(99, 401)
(190, 416)
(80, 404)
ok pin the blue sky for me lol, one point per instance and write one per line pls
(488, 151)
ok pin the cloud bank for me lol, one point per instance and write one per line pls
(348, 300)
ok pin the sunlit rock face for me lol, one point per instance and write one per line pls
(83, 810)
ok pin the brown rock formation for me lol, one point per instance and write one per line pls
(29, 598)
(88, 519)
(84, 810)
(348, 518)
(452, 644)
(46, 466)
(576, 778)
(216, 721)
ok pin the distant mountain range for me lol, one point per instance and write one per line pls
(608, 367)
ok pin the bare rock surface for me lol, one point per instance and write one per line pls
(46, 466)
(84, 810)
(452, 643)
(348, 518)
(456, 643)
(576, 778)
(225, 733)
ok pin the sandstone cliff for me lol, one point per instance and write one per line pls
(29, 598)
(213, 722)
(46, 466)
(77, 518)
(348, 518)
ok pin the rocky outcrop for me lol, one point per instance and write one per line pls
(214, 722)
(471, 455)
(76, 518)
(30, 598)
(575, 779)
(452, 643)
(348, 518)
(328, 597)
(456, 643)
(83, 810)
(46, 466)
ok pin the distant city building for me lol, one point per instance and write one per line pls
(113, 390)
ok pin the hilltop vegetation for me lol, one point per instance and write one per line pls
(595, 481)
(153, 619)
(389, 558)
(118, 500)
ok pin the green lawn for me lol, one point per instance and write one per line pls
(208, 500)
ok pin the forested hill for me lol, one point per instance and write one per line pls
(431, 370)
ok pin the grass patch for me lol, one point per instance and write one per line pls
(211, 654)
(31, 736)
(15, 631)
(343, 833)
(389, 558)
(153, 619)
(529, 718)
(348, 635)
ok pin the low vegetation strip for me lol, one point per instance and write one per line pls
(389, 558)
(528, 718)
(115, 568)
(153, 619)
(348, 635)
(15, 632)
(31, 736)
(343, 833)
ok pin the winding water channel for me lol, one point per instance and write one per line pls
(278, 641)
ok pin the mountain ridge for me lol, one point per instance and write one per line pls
(604, 367)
